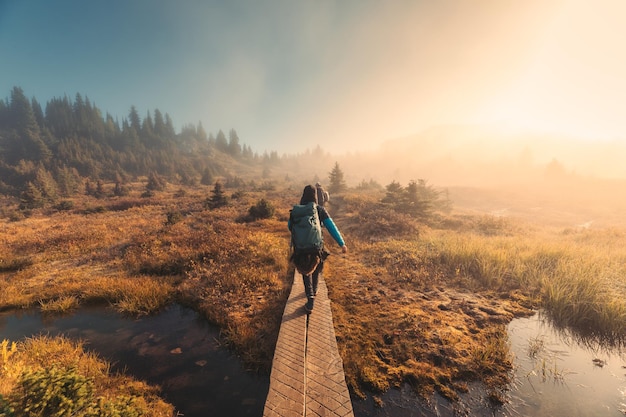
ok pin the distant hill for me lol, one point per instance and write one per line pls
(459, 155)
(53, 150)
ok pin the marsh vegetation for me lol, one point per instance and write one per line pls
(137, 216)
(423, 301)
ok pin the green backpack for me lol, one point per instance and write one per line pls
(306, 230)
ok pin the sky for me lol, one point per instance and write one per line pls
(347, 75)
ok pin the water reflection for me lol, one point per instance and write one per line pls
(556, 373)
(177, 350)
(559, 374)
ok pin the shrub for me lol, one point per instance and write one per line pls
(155, 182)
(263, 209)
(65, 205)
(14, 264)
(59, 392)
(5, 408)
(173, 217)
(52, 392)
(238, 195)
(217, 198)
(375, 222)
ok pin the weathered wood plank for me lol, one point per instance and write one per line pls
(307, 376)
(326, 390)
(287, 380)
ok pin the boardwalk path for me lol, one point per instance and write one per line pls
(307, 376)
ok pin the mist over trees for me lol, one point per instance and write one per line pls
(47, 151)
(50, 152)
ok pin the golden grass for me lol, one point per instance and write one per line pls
(60, 305)
(424, 304)
(430, 310)
(44, 353)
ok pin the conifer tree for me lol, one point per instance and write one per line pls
(67, 180)
(159, 124)
(99, 193)
(155, 182)
(234, 148)
(336, 178)
(46, 184)
(147, 128)
(89, 189)
(394, 193)
(201, 133)
(207, 177)
(22, 119)
(218, 198)
(38, 113)
(170, 133)
(31, 197)
(220, 142)
(133, 118)
(4, 115)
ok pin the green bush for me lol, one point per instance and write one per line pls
(173, 217)
(263, 209)
(5, 408)
(52, 392)
(65, 205)
(58, 392)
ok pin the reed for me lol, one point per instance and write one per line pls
(63, 304)
(142, 295)
(578, 279)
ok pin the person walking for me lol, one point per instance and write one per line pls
(310, 263)
(322, 195)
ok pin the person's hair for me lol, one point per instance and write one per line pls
(309, 195)
(305, 263)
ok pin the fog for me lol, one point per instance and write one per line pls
(549, 179)
(345, 74)
(479, 156)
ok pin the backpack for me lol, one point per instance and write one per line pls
(322, 196)
(306, 237)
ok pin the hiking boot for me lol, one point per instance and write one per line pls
(309, 305)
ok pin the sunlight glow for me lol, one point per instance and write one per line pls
(574, 83)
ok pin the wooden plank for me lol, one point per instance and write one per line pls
(307, 377)
(285, 397)
(326, 390)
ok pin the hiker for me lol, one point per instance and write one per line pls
(310, 263)
(322, 195)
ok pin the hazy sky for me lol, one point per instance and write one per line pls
(345, 74)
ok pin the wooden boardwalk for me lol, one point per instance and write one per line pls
(307, 376)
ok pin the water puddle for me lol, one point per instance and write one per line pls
(177, 350)
(557, 375)
(554, 375)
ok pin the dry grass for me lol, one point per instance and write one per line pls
(430, 309)
(424, 304)
(32, 355)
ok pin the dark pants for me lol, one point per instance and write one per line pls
(311, 280)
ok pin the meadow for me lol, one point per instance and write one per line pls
(423, 302)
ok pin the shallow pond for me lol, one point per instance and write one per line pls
(555, 375)
(178, 350)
